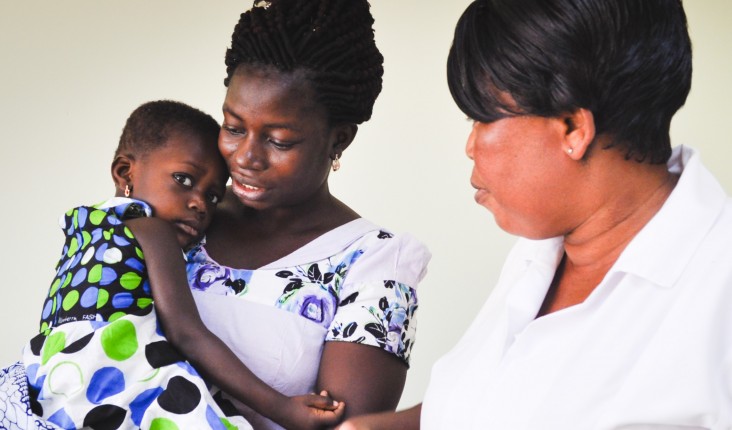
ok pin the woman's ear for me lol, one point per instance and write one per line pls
(580, 133)
(342, 136)
(122, 168)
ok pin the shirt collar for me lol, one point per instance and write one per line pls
(670, 238)
(662, 249)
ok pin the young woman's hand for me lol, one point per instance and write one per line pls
(403, 420)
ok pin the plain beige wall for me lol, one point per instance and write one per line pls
(73, 70)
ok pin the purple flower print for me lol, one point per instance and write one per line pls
(211, 278)
(395, 318)
(314, 302)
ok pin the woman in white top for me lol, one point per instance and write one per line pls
(613, 309)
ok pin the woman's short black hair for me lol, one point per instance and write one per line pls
(627, 61)
(150, 125)
(332, 41)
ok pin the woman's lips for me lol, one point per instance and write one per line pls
(243, 190)
(249, 187)
(480, 195)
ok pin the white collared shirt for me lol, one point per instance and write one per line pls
(650, 348)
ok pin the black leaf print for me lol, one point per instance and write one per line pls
(384, 235)
(389, 284)
(335, 331)
(314, 273)
(359, 340)
(283, 274)
(349, 299)
(378, 331)
(328, 277)
(237, 285)
(294, 285)
(350, 328)
(383, 304)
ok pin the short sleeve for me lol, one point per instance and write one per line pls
(378, 298)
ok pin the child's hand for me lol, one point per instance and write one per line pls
(312, 412)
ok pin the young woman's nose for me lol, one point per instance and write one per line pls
(250, 154)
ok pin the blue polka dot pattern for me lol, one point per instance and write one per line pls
(98, 252)
(100, 359)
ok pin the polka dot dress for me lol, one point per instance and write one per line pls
(100, 359)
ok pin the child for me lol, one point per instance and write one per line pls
(101, 358)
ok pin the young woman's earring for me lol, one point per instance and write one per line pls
(336, 163)
(128, 190)
(570, 151)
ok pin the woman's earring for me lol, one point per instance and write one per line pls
(336, 163)
(570, 151)
(128, 190)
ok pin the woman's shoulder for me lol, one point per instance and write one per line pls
(389, 255)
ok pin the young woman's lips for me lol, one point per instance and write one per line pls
(246, 191)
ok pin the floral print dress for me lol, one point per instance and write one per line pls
(355, 283)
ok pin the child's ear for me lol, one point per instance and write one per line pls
(122, 168)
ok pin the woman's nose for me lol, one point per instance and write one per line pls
(470, 145)
(250, 154)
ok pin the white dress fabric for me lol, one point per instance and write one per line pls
(355, 283)
(650, 348)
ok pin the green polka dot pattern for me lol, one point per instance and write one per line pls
(101, 360)
(101, 274)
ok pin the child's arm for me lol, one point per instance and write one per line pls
(407, 419)
(183, 328)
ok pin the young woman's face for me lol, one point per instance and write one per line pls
(519, 176)
(276, 139)
(182, 182)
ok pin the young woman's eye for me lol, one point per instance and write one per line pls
(232, 130)
(280, 145)
(182, 179)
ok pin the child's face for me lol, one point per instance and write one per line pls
(182, 181)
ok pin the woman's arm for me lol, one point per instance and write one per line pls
(381, 310)
(403, 420)
(367, 378)
(183, 327)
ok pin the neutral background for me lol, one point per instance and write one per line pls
(73, 70)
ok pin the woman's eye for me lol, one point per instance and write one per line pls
(232, 130)
(280, 145)
(182, 179)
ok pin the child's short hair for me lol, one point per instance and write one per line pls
(628, 62)
(150, 125)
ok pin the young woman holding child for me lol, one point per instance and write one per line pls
(332, 294)
(105, 357)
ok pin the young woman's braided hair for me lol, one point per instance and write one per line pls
(332, 41)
